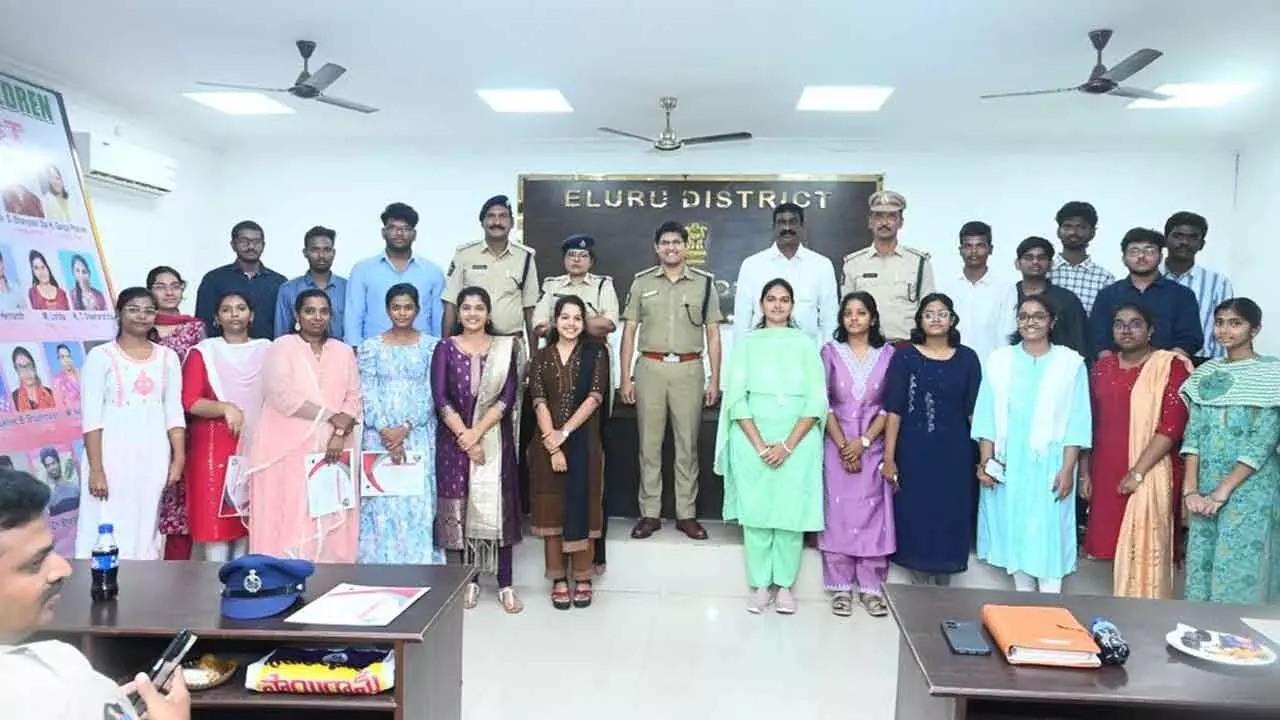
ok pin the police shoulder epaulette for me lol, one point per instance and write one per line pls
(701, 272)
(647, 270)
(923, 254)
(524, 247)
(468, 245)
(856, 253)
(551, 279)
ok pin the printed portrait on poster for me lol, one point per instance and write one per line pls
(46, 292)
(57, 466)
(65, 360)
(83, 281)
(27, 374)
(12, 290)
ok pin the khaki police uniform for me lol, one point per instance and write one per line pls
(897, 281)
(669, 377)
(595, 290)
(51, 680)
(510, 278)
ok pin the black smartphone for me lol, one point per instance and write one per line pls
(965, 637)
(165, 665)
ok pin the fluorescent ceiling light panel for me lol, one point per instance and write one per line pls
(843, 98)
(525, 101)
(240, 103)
(1196, 95)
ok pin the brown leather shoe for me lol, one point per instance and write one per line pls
(645, 527)
(692, 528)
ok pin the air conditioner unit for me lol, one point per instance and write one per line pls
(110, 162)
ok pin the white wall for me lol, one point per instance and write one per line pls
(1254, 250)
(345, 186)
(140, 232)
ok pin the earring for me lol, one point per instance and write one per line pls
(297, 327)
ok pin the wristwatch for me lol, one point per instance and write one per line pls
(865, 442)
(340, 432)
(565, 432)
(1136, 476)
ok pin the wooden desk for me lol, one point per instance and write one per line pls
(1156, 682)
(159, 598)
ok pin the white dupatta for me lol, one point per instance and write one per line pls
(484, 496)
(1053, 397)
(235, 374)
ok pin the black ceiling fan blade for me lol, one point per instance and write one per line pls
(1127, 67)
(324, 77)
(346, 104)
(1133, 92)
(723, 137)
(1027, 93)
(624, 133)
(233, 86)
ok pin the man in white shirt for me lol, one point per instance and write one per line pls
(49, 679)
(812, 277)
(978, 296)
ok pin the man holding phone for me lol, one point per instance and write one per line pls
(51, 680)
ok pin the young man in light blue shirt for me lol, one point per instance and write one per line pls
(366, 314)
(317, 248)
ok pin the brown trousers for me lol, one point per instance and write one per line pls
(579, 563)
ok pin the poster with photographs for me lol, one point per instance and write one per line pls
(55, 297)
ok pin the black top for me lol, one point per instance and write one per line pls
(1071, 328)
(261, 289)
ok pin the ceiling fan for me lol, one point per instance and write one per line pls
(667, 140)
(308, 86)
(1103, 80)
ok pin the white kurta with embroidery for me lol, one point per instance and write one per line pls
(134, 403)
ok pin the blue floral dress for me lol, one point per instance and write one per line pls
(395, 383)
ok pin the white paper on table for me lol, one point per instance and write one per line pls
(359, 605)
(330, 486)
(1270, 628)
(381, 477)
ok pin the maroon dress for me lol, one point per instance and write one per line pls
(173, 503)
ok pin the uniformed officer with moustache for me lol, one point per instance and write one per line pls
(602, 318)
(595, 290)
(896, 276)
(507, 271)
(49, 679)
(677, 311)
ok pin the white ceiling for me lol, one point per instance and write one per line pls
(735, 64)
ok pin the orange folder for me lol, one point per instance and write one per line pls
(1040, 636)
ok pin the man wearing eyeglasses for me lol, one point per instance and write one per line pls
(1071, 325)
(1174, 307)
(365, 314)
(246, 274)
(676, 312)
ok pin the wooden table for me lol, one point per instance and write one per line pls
(1156, 682)
(159, 598)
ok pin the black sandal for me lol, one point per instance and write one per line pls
(582, 594)
(560, 598)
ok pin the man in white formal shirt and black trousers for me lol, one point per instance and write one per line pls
(811, 274)
(49, 679)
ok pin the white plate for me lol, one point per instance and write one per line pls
(1207, 649)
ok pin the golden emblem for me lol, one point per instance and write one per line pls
(699, 238)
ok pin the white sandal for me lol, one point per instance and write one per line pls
(511, 602)
(471, 597)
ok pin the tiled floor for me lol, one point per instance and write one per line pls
(669, 637)
(635, 655)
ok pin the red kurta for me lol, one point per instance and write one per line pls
(209, 444)
(1109, 389)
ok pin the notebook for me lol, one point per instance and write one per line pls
(1040, 636)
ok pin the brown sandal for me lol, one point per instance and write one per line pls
(582, 594)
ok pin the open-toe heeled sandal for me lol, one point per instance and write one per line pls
(560, 598)
(510, 601)
(472, 596)
(582, 594)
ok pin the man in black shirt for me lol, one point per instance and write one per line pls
(247, 274)
(1070, 329)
